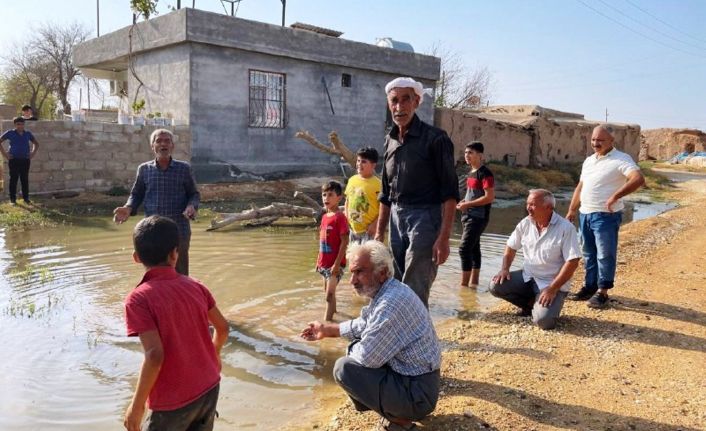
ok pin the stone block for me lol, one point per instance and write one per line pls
(117, 138)
(69, 165)
(50, 165)
(96, 183)
(115, 128)
(122, 156)
(66, 135)
(93, 127)
(75, 184)
(94, 165)
(115, 166)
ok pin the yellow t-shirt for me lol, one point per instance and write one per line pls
(362, 201)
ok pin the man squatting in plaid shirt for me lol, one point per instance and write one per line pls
(168, 188)
(393, 361)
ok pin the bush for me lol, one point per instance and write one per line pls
(117, 191)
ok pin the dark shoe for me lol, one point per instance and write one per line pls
(599, 300)
(582, 295)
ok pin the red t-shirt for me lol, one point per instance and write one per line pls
(177, 307)
(332, 227)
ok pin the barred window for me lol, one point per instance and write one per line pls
(267, 99)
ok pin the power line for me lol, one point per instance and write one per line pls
(638, 32)
(664, 22)
(650, 27)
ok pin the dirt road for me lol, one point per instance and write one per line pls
(638, 365)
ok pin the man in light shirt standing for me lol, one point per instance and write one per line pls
(551, 250)
(606, 177)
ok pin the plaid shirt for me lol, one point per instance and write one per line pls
(394, 329)
(165, 192)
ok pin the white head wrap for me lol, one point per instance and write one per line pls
(406, 82)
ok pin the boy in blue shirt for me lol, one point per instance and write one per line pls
(18, 157)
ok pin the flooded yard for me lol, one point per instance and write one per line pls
(67, 363)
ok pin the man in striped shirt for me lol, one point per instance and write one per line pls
(393, 361)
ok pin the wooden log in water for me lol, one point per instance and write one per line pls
(275, 209)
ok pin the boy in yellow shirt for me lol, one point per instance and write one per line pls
(362, 192)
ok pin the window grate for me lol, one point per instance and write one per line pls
(267, 99)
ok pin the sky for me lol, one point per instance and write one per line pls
(644, 61)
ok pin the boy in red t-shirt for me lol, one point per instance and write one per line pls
(171, 312)
(333, 240)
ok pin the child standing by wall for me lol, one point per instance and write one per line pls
(475, 207)
(333, 240)
(362, 192)
(180, 375)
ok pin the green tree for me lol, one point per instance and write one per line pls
(15, 91)
(27, 75)
(143, 8)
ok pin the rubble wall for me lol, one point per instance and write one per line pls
(499, 139)
(663, 144)
(533, 140)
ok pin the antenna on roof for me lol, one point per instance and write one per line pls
(232, 5)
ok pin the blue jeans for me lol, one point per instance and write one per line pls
(599, 234)
(413, 231)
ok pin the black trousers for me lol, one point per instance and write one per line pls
(469, 249)
(19, 169)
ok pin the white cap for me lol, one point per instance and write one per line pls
(406, 82)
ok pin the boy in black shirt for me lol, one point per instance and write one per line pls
(475, 206)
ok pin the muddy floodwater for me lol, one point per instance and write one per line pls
(67, 364)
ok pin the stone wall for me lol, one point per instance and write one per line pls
(663, 144)
(531, 140)
(91, 156)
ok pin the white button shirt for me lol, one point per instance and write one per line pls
(602, 176)
(546, 252)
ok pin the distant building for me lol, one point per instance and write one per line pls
(245, 88)
(530, 135)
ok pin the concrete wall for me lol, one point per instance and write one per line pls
(220, 113)
(166, 76)
(535, 140)
(90, 156)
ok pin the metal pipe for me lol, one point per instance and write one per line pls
(284, 6)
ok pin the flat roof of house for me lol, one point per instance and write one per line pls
(108, 54)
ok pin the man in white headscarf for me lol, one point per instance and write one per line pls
(419, 190)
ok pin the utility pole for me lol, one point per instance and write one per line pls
(284, 7)
(606, 115)
(178, 4)
(98, 18)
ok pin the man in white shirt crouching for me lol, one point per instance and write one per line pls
(551, 252)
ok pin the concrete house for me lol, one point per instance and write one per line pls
(245, 88)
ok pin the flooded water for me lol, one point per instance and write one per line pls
(67, 363)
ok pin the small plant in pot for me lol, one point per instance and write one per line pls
(137, 107)
(158, 120)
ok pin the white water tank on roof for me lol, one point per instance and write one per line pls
(388, 42)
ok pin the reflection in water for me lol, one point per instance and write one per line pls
(68, 365)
